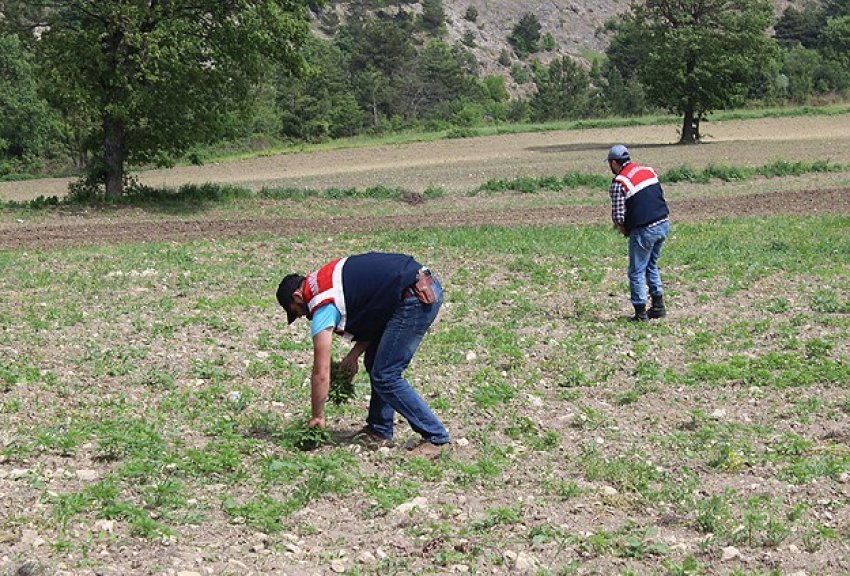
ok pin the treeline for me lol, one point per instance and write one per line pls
(385, 66)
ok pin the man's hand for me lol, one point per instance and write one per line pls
(621, 228)
(316, 422)
(351, 361)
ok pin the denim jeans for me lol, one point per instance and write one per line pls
(386, 361)
(644, 250)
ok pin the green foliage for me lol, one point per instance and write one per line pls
(320, 103)
(525, 35)
(695, 57)
(563, 91)
(149, 82)
(341, 390)
(433, 16)
(471, 13)
(27, 127)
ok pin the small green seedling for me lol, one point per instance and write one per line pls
(341, 389)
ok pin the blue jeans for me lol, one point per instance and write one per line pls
(388, 358)
(644, 251)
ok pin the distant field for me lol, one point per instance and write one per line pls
(460, 165)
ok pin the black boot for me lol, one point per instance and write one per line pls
(657, 310)
(640, 313)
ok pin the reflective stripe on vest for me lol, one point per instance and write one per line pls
(325, 286)
(635, 178)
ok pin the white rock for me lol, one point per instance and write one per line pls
(105, 526)
(188, 573)
(16, 473)
(459, 568)
(730, 553)
(418, 502)
(366, 557)
(471, 355)
(719, 414)
(88, 475)
(234, 396)
(462, 442)
(31, 538)
(535, 401)
(609, 491)
(338, 567)
(525, 563)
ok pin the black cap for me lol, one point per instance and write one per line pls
(289, 284)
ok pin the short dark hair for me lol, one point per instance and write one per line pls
(287, 286)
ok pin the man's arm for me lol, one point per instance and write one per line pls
(350, 361)
(618, 207)
(321, 377)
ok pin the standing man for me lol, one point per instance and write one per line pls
(638, 210)
(384, 303)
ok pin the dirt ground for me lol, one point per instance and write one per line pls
(339, 545)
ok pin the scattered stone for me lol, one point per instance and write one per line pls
(338, 567)
(459, 568)
(88, 475)
(188, 573)
(730, 553)
(31, 538)
(719, 414)
(462, 442)
(471, 356)
(525, 563)
(16, 473)
(366, 557)
(609, 491)
(105, 526)
(407, 507)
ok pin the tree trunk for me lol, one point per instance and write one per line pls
(113, 155)
(690, 128)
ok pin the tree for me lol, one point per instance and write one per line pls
(835, 41)
(320, 103)
(699, 55)
(27, 129)
(800, 26)
(433, 16)
(563, 90)
(157, 76)
(525, 35)
(382, 56)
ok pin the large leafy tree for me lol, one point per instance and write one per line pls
(156, 76)
(696, 56)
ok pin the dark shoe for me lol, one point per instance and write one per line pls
(368, 438)
(657, 310)
(640, 313)
(427, 450)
